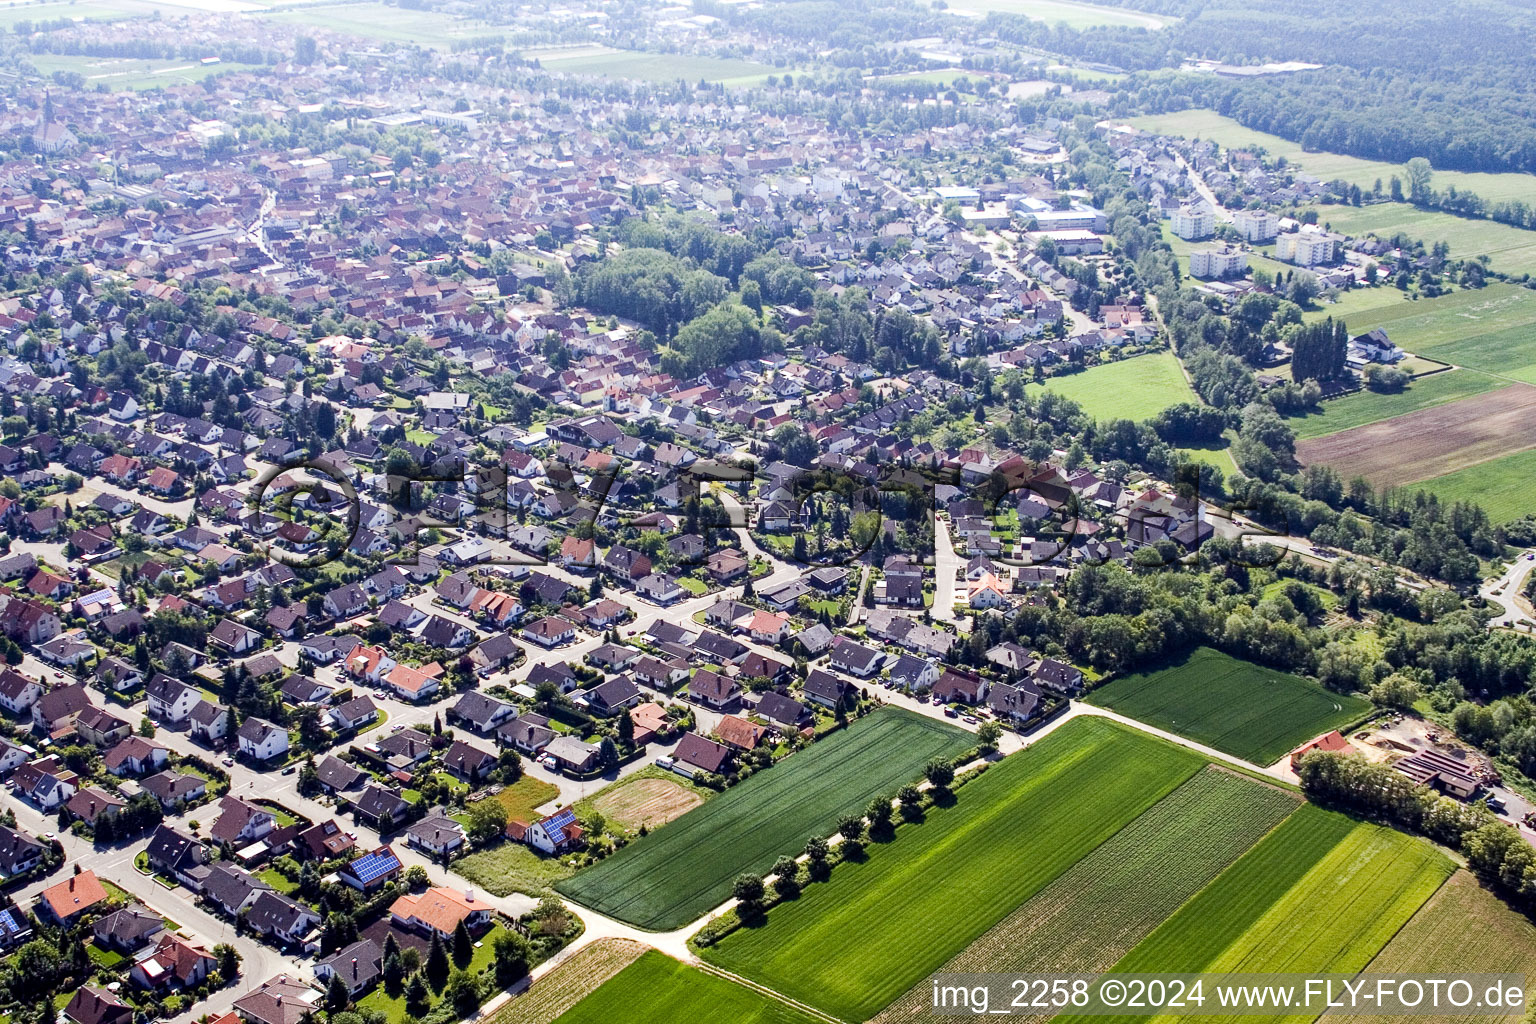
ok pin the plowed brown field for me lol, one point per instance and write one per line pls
(1431, 442)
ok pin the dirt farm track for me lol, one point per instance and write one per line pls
(1431, 442)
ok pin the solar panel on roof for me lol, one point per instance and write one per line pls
(372, 865)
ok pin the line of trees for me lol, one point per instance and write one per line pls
(1494, 849)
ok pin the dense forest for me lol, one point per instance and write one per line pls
(1400, 79)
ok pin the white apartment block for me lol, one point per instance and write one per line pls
(1222, 262)
(1194, 221)
(1256, 225)
(1307, 247)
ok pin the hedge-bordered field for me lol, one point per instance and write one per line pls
(1137, 388)
(1111, 899)
(1463, 928)
(879, 927)
(680, 872)
(1235, 706)
(658, 990)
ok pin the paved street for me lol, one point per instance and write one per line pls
(1506, 590)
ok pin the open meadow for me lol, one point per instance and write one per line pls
(1207, 124)
(1095, 912)
(1074, 15)
(1463, 928)
(1431, 442)
(656, 989)
(1424, 325)
(1509, 249)
(679, 872)
(938, 886)
(1137, 388)
(1354, 305)
(386, 23)
(1505, 487)
(130, 72)
(1244, 709)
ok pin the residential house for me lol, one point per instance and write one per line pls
(261, 740)
(554, 834)
(382, 808)
(571, 754)
(174, 789)
(440, 911)
(100, 727)
(55, 712)
(63, 903)
(468, 763)
(92, 1005)
(481, 713)
(855, 658)
(354, 714)
(173, 963)
(19, 853)
(276, 917)
(177, 854)
(241, 822)
(372, 871)
(127, 930)
(135, 755)
(279, 1000)
(358, 966)
(696, 754)
(436, 835)
(712, 689)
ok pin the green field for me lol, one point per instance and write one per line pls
(1207, 124)
(1219, 456)
(659, 67)
(1075, 15)
(1427, 324)
(1111, 899)
(1354, 305)
(1509, 249)
(131, 73)
(681, 871)
(1463, 928)
(1505, 487)
(388, 24)
(658, 990)
(1371, 407)
(1236, 706)
(1488, 329)
(89, 10)
(879, 927)
(1136, 388)
(1321, 893)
